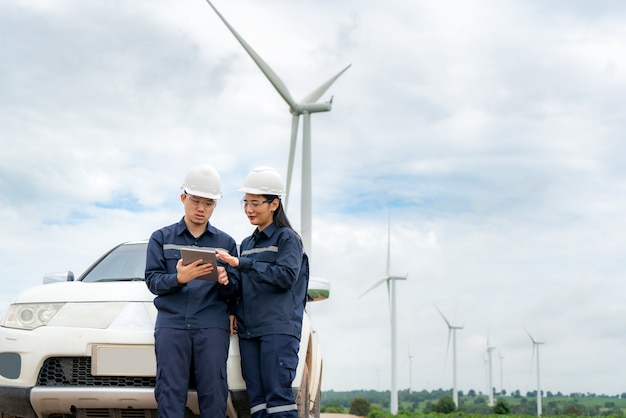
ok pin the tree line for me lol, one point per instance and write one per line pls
(473, 402)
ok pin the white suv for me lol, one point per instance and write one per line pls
(85, 347)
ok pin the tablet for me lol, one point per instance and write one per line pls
(190, 255)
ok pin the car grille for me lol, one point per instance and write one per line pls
(116, 413)
(76, 371)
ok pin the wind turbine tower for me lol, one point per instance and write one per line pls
(486, 362)
(501, 372)
(490, 372)
(304, 107)
(536, 344)
(391, 292)
(410, 370)
(452, 333)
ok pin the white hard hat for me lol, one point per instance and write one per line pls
(203, 181)
(264, 180)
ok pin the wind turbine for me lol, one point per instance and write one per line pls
(304, 107)
(391, 291)
(536, 345)
(452, 333)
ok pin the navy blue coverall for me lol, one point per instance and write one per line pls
(192, 325)
(274, 273)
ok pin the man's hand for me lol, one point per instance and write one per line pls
(193, 270)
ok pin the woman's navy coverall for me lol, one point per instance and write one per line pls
(274, 273)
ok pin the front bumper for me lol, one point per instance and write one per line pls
(52, 400)
(38, 401)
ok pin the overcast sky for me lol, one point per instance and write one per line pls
(492, 131)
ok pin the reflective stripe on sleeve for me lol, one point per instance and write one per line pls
(258, 408)
(282, 408)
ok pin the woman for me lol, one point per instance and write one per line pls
(274, 273)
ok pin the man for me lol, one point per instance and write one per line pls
(192, 326)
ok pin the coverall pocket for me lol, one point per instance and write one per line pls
(171, 254)
(287, 368)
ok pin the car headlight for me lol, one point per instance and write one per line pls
(30, 315)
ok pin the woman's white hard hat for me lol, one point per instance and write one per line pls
(264, 180)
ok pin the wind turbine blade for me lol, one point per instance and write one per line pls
(389, 294)
(373, 286)
(532, 339)
(317, 93)
(295, 119)
(445, 363)
(444, 318)
(388, 242)
(269, 73)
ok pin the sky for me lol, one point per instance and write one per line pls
(485, 139)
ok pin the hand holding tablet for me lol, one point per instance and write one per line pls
(189, 255)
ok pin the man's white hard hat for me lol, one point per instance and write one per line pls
(203, 181)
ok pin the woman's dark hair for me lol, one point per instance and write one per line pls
(279, 216)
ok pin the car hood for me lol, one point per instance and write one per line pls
(136, 291)
(121, 306)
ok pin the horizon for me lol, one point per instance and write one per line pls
(528, 394)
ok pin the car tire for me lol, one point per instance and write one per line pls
(317, 406)
(318, 400)
(303, 400)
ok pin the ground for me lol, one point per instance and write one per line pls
(338, 416)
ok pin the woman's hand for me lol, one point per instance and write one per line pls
(227, 258)
(233, 324)
(222, 277)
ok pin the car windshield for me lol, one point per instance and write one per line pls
(124, 263)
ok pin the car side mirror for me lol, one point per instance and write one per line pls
(319, 289)
(67, 276)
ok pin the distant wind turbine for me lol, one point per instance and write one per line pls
(391, 291)
(536, 345)
(452, 333)
(304, 107)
